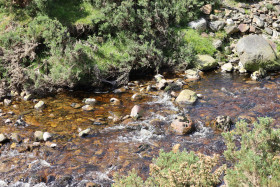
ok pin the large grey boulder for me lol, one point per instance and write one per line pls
(200, 25)
(255, 52)
(205, 62)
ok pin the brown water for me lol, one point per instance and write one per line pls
(123, 145)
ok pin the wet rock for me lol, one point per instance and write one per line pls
(161, 84)
(159, 77)
(205, 62)
(63, 181)
(199, 96)
(199, 25)
(115, 101)
(38, 136)
(20, 122)
(42, 184)
(223, 123)
(136, 112)
(7, 121)
(206, 9)
(28, 97)
(15, 137)
(142, 148)
(88, 108)
(39, 105)
(3, 138)
(51, 144)
(120, 90)
(227, 67)
(7, 102)
(255, 52)
(75, 105)
(192, 74)
(257, 75)
(85, 132)
(89, 101)
(136, 97)
(216, 25)
(186, 97)
(175, 86)
(3, 184)
(182, 125)
(47, 136)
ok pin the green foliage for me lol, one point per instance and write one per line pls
(255, 162)
(177, 169)
(201, 45)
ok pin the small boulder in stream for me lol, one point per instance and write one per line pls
(7, 102)
(88, 108)
(186, 97)
(136, 112)
(182, 125)
(205, 63)
(84, 132)
(223, 123)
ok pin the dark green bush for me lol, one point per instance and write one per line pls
(254, 154)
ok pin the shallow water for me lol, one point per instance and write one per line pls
(121, 146)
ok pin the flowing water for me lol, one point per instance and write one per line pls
(120, 145)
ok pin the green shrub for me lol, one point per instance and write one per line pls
(254, 160)
(177, 169)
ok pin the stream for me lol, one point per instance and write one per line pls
(121, 145)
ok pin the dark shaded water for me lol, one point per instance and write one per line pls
(123, 145)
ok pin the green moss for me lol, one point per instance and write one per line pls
(74, 12)
(200, 44)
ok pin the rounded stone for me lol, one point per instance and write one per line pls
(186, 97)
(38, 135)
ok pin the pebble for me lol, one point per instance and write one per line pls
(38, 135)
(8, 121)
(85, 132)
(39, 105)
(47, 136)
(7, 102)
(3, 138)
(89, 101)
(87, 108)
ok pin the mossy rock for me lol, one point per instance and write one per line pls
(205, 62)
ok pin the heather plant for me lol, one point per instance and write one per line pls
(178, 169)
(253, 151)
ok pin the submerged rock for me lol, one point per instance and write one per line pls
(182, 125)
(255, 52)
(84, 132)
(89, 101)
(115, 101)
(39, 105)
(76, 105)
(186, 97)
(88, 108)
(136, 97)
(192, 74)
